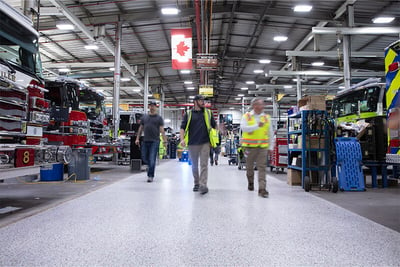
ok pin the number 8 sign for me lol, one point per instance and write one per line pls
(24, 157)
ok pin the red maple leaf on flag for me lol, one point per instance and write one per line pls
(181, 48)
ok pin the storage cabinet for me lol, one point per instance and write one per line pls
(279, 154)
(308, 151)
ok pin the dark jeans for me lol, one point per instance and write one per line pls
(149, 155)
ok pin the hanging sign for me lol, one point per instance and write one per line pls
(206, 90)
(207, 61)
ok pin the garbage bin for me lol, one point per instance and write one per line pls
(79, 168)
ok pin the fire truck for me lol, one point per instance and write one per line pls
(24, 110)
(78, 119)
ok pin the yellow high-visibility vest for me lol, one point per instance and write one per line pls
(260, 136)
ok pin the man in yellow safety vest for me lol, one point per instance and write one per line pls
(255, 139)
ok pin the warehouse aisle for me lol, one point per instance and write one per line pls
(135, 223)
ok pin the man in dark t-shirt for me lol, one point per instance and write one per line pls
(152, 125)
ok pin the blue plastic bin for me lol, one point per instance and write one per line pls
(52, 172)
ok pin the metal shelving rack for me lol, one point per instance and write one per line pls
(313, 149)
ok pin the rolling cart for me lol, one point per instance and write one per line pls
(313, 155)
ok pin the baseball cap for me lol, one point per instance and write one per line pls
(153, 103)
(199, 97)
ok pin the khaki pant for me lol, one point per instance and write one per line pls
(199, 153)
(259, 156)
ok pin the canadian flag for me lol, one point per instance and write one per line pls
(181, 46)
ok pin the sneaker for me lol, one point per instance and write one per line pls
(263, 193)
(250, 187)
(203, 190)
(196, 188)
(150, 179)
(216, 162)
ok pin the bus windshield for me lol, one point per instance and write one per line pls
(363, 100)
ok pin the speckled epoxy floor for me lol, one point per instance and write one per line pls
(134, 223)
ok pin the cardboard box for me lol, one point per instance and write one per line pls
(294, 177)
(312, 142)
(312, 102)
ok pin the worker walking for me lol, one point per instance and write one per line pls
(255, 126)
(194, 133)
(152, 125)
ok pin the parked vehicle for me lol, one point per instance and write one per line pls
(78, 118)
(24, 110)
(361, 112)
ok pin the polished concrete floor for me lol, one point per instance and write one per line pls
(118, 219)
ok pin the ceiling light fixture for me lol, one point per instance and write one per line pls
(91, 47)
(190, 88)
(65, 26)
(302, 8)
(317, 63)
(187, 82)
(244, 88)
(64, 70)
(169, 11)
(382, 19)
(241, 95)
(185, 71)
(264, 61)
(280, 38)
(258, 71)
(125, 79)
(250, 82)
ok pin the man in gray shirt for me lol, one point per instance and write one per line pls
(152, 125)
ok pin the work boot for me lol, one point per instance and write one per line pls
(250, 187)
(196, 188)
(263, 193)
(203, 189)
(216, 162)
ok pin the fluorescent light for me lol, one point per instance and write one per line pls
(318, 63)
(64, 70)
(382, 19)
(112, 69)
(169, 11)
(91, 47)
(190, 88)
(287, 86)
(302, 8)
(65, 26)
(280, 38)
(244, 88)
(167, 120)
(185, 71)
(191, 97)
(231, 108)
(250, 82)
(238, 98)
(264, 61)
(187, 82)
(125, 79)
(241, 95)
(258, 71)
